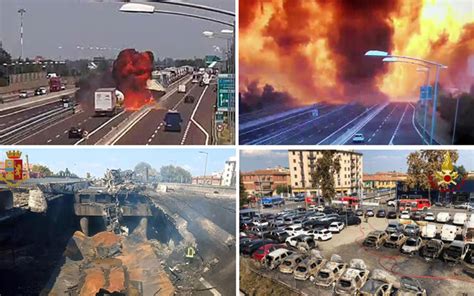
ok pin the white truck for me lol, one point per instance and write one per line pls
(459, 218)
(448, 232)
(428, 230)
(105, 101)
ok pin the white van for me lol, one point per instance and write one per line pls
(275, 258)
(448, 232)
(428, 231)
(443, 217)
(459, 218)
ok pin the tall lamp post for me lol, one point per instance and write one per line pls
(21, 11)
(422, 68)
(455, 120)
(378, 53)
(144, 8)
(205, 164)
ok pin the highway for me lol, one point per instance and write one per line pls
(195, 128)
(382, 124)
(44, 120)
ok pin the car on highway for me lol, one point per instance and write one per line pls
(182, 88)
(430, 216)
(405, 215)
(381, 213)
(375, 239)
(369, 213)
(412, 245)
(336, 227)
(23, 94)
(395, 240)
(308, 267)
(289, 263)
(63, 87)
(391, 215)
(358, 138)
(173, 121)
(432, 249)
(275, 258)
(330, 272)
(75, 132)
(189, 99)
(352, 279)
(40, 91)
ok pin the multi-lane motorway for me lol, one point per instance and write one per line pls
(45, 121)
(382, 124)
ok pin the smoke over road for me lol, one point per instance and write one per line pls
(131, 71)
(314, 50)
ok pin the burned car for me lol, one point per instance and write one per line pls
(375, 239)
(412, 245)
(289, 264)
(410, 287)
(455, 252)
(352, 279)
(380, 283)
(331, 272)
(395, 240)
(275, 258)
(432, 249)
(302, 242)
(308, 267)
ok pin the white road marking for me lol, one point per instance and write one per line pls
(48, 141)
(100, 127)
(57, 136)
(210, 287)
(398, 125)
(194, 121)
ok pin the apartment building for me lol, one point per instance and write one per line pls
(265, 181)
(302, 165)
(383, 180)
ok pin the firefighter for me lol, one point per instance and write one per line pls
(190, 253)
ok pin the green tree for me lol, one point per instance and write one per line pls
(323, 176)
(283, 189)
(243, 196)
(144, 170)
(175, 174)
(42, 170)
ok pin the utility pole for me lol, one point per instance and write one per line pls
(21, 11)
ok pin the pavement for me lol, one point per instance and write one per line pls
(148, 130)
(383, 124)
(196, 127)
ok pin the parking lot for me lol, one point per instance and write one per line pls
(437, 277)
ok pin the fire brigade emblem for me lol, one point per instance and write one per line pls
(13, 174)
(448, 178)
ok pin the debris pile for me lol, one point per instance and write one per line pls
(108, 263)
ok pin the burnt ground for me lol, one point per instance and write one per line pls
(211, 241)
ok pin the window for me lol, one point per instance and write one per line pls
(296, 183)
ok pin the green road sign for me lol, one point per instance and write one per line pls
(219, 117)
(225, 92)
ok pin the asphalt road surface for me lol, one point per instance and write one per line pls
(150, 129)
(393, 124)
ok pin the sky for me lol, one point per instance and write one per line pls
(50, 24)
(373, 160)
(97, 160)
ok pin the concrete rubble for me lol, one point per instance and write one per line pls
(109, 263)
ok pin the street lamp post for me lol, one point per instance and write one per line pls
(378, 53)
(455, 120)
(205, 164)
(196, 6)
(21, 11)
(144, 8)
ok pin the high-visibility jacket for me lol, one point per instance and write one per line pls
(190, 252)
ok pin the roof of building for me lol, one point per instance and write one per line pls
(385, 176)
(280, 172)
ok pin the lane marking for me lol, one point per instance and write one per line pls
(195, 122)
(398, 125)
(100, 127)
(414, 125)
(210, 287)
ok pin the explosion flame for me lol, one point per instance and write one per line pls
(313, 50)
(131, 71)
